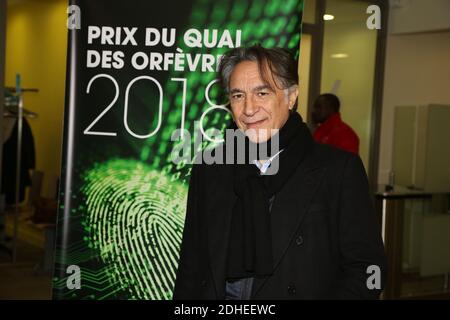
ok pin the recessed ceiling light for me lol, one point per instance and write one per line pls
(339, 55)
(328, 17)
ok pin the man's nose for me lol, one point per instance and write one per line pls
(250, 107)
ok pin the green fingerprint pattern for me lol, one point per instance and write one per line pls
(136, 222)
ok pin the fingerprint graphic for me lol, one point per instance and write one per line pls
(135, 218)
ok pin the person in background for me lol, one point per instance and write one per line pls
(330, 127)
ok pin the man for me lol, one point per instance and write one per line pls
(307, 231)
(331, 129)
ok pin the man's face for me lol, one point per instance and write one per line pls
(320, 111)
(257, 105)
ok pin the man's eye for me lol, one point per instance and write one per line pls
(236, 96)
(262, 94)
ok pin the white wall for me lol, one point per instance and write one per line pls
(409, 16)
(417, 72)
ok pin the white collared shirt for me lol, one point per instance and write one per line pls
(266, 164)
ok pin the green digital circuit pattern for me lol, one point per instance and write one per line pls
(133, 210)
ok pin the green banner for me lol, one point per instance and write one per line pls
(137, 71)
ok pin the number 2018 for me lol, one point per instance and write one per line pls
(89, 129)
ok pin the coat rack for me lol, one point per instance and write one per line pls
(16, 110)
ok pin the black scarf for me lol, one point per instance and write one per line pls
(250, 244)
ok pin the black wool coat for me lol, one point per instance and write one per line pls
(324, 233)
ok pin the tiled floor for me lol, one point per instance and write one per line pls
(415, 286)
(21, 280)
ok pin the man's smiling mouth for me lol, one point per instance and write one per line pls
(254, 124)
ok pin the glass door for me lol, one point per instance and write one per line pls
(348, 66)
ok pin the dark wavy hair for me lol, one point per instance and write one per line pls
(282, 65)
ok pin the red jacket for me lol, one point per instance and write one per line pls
(337, 133)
